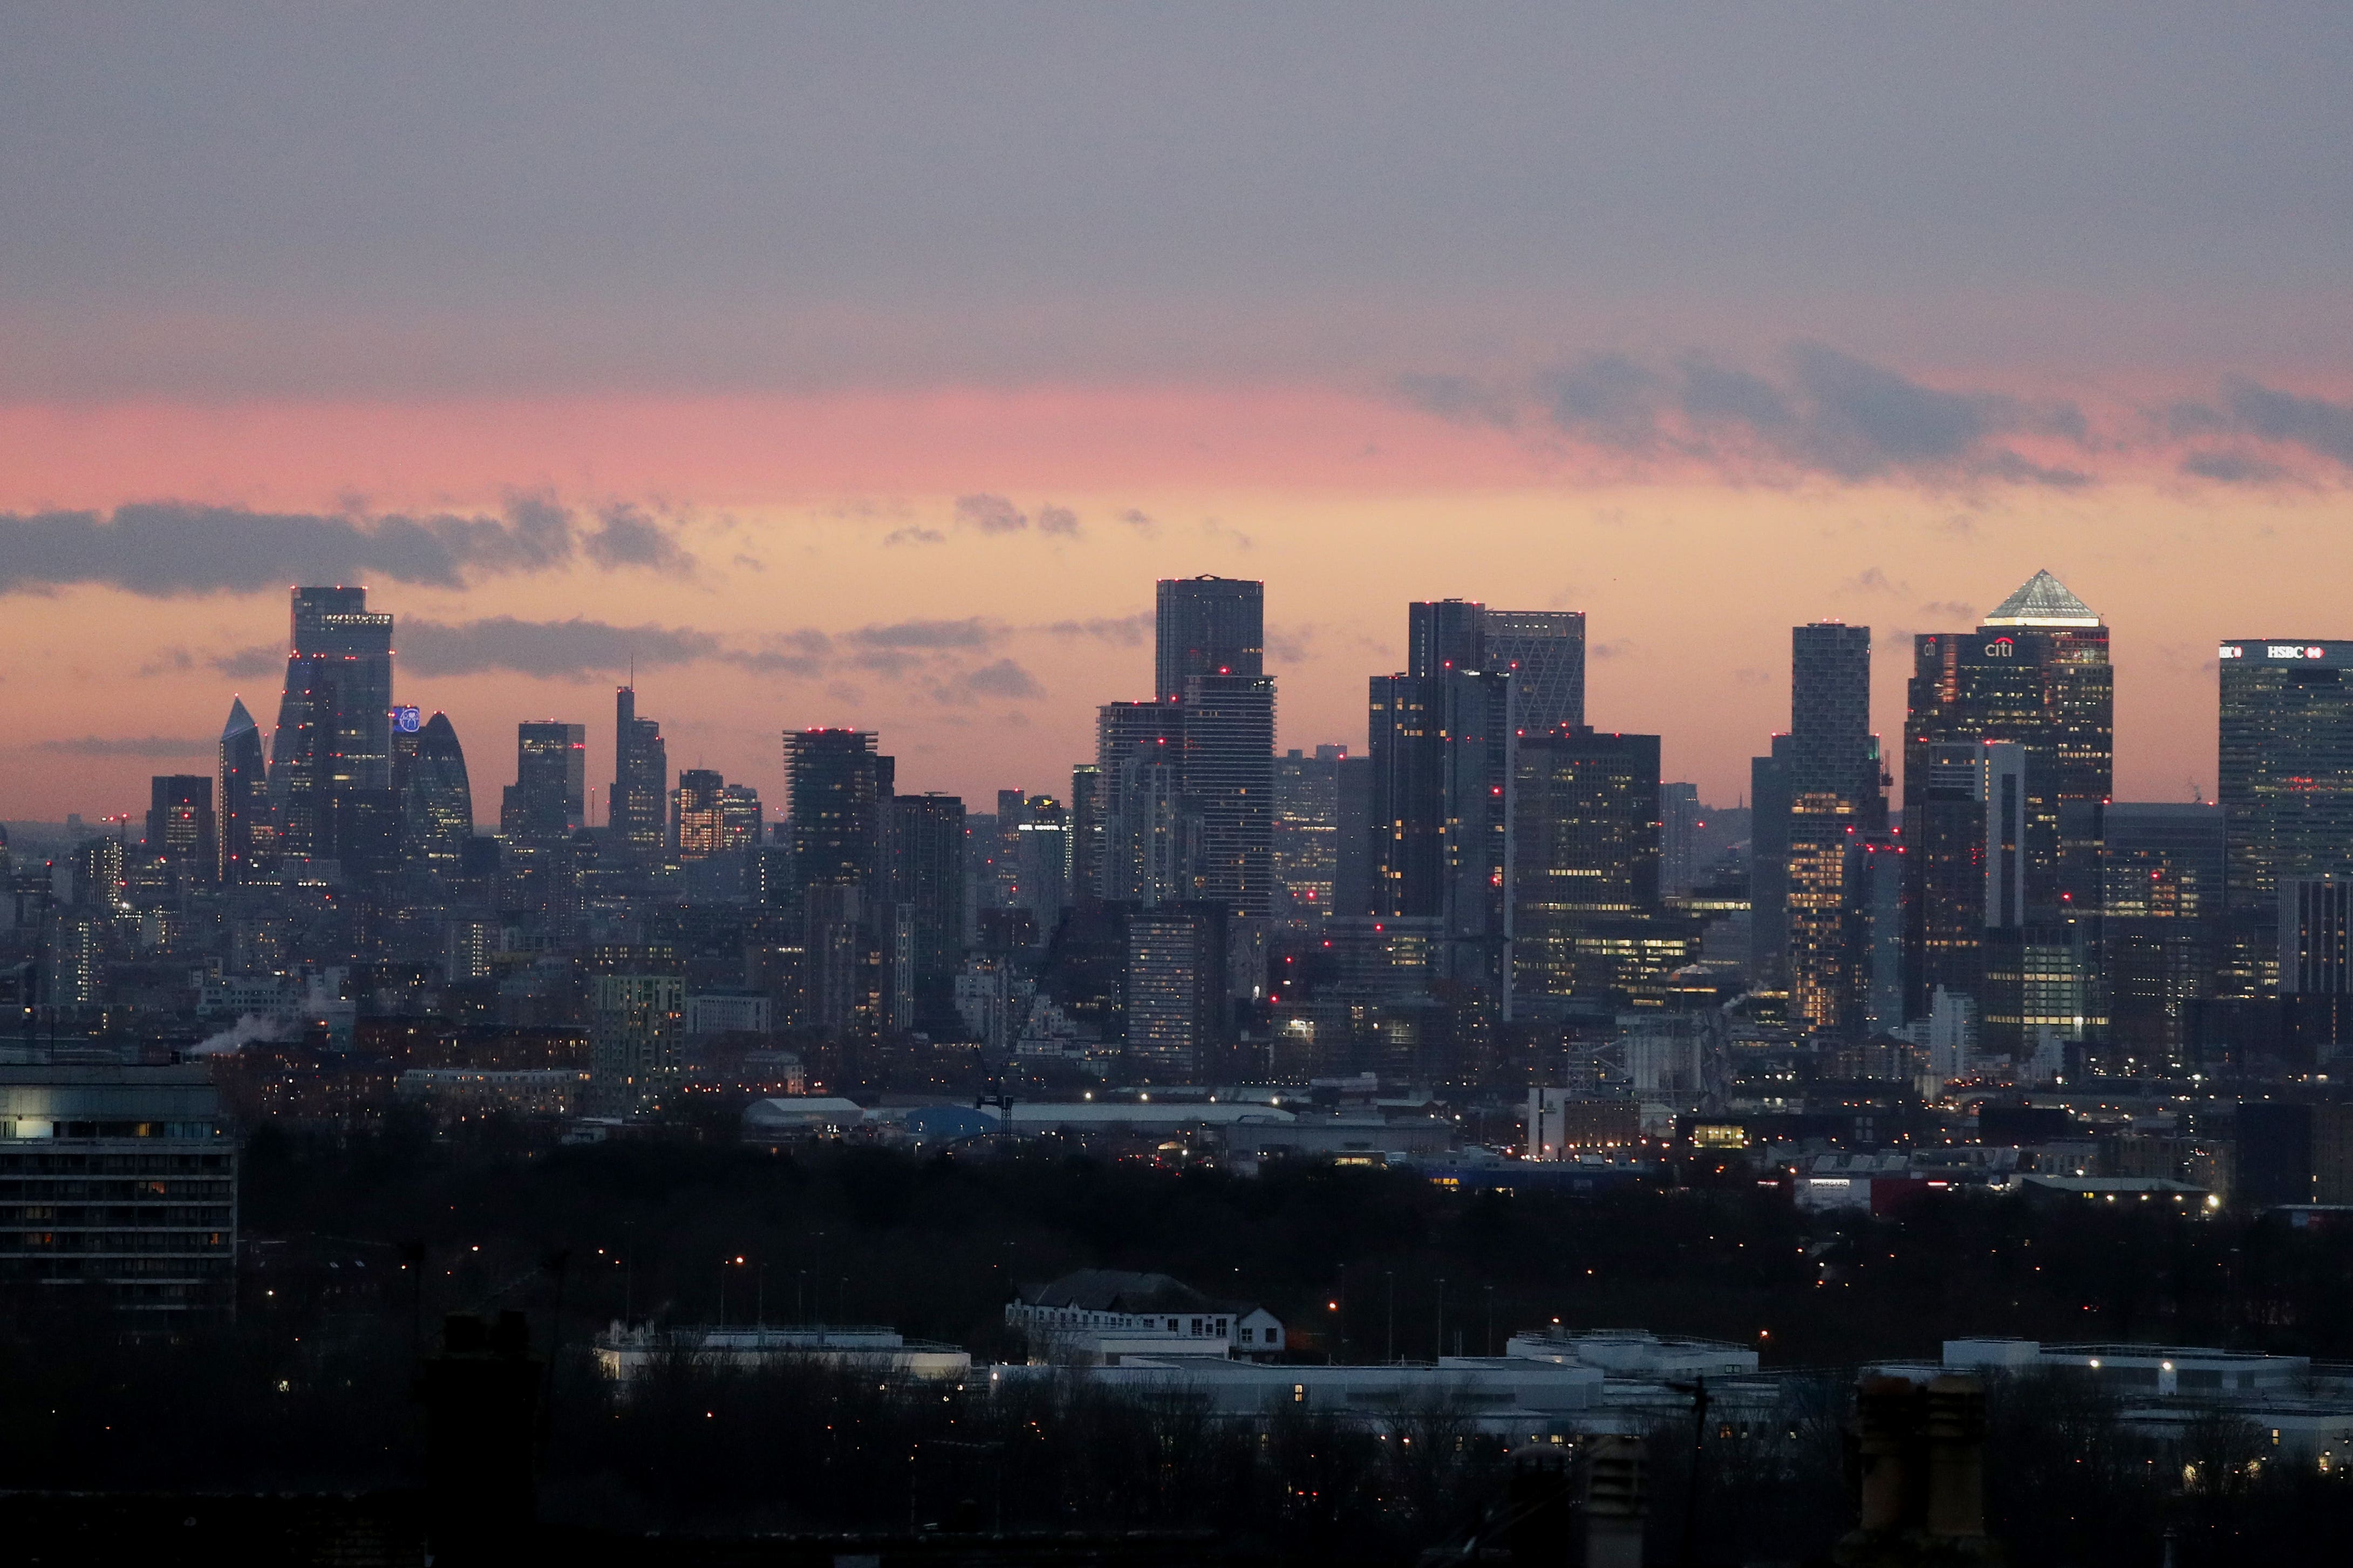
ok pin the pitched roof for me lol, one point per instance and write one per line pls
(239, 720)
(2042, 601)
(1117, 1291)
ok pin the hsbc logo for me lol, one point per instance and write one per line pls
(2293, 650)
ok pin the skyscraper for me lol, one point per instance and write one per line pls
(1443, 635)
(927, 882)
(180, 825)
(2035, 673)
(1228, 784)
(1585, 866)
(1086, 832)
(244, 827)
(1207, 625)
(2286, 786)
(702, 832)
(437, 801)
(1140, 777)
(1831, 762)
(1177, 1010)
(1306, 831)
(2161, 916)
(547, 804)
(633, 809)
(837, 784)
(334, 735)
(1406, 728)
(1544, 653)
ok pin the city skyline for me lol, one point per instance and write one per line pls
(1108, 662)
(1665, 318)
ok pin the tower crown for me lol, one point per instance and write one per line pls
(2042, 601)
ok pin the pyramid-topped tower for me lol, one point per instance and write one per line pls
(2042, 601)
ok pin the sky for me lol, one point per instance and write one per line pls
(865, 363)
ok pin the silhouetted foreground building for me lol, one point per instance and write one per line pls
(121, 1185)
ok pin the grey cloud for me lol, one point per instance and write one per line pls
(2313, 423)
(127, 746)
(1950, 610)
(1126, 630)
(1140, 520)
(1003, 678)
(162, 550)
(1058, 519)
(912, 535)
(1871, 580)
(972, 633)
(1455, 398)
(2231, 469)
(990, 514)
(570, 650)
(627, 537)
(1824, 412)
(245, 663)
(1607, 396)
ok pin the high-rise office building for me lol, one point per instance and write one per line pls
(180, 831)
(437, 800)
(2285, 781)
(2315, 936)
(1477, 748)
(2035, 673)
(1207, 625)
(1406, 725)
(1140, 777)
(2161, 918)
(334, 735)
(698, 815)
(1086, 832)
(1768, 867)
(1585, 866)
(1041, 854)
(245, 829)
(837, 784)
(1177, 1010)
(1229, 786)
(1306, 832)
(1833, 800)
(1544, 653)
(548, 802)
(1351, 854)
(1443, 635)
(927, 882)
(1679, 819)
(633, 810)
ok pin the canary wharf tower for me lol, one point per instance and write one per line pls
(2035, 673)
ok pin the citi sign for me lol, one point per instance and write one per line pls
(2001, 648)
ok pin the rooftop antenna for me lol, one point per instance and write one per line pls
(2196, 796)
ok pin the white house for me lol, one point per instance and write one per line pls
(1103, 1317)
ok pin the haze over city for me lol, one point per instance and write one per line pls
(1229, 786)
(914, 348)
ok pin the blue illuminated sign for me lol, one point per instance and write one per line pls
(407, 720)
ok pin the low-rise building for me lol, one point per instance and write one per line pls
(626, 1354)
(1105, 1317)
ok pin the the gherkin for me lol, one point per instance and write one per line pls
(437, 804)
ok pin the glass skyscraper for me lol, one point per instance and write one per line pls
(1207, 625)
(2036, 672)
(2286, 780)
(333, 739)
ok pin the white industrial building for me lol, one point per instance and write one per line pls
(1104, 1317)
(626, 1354)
